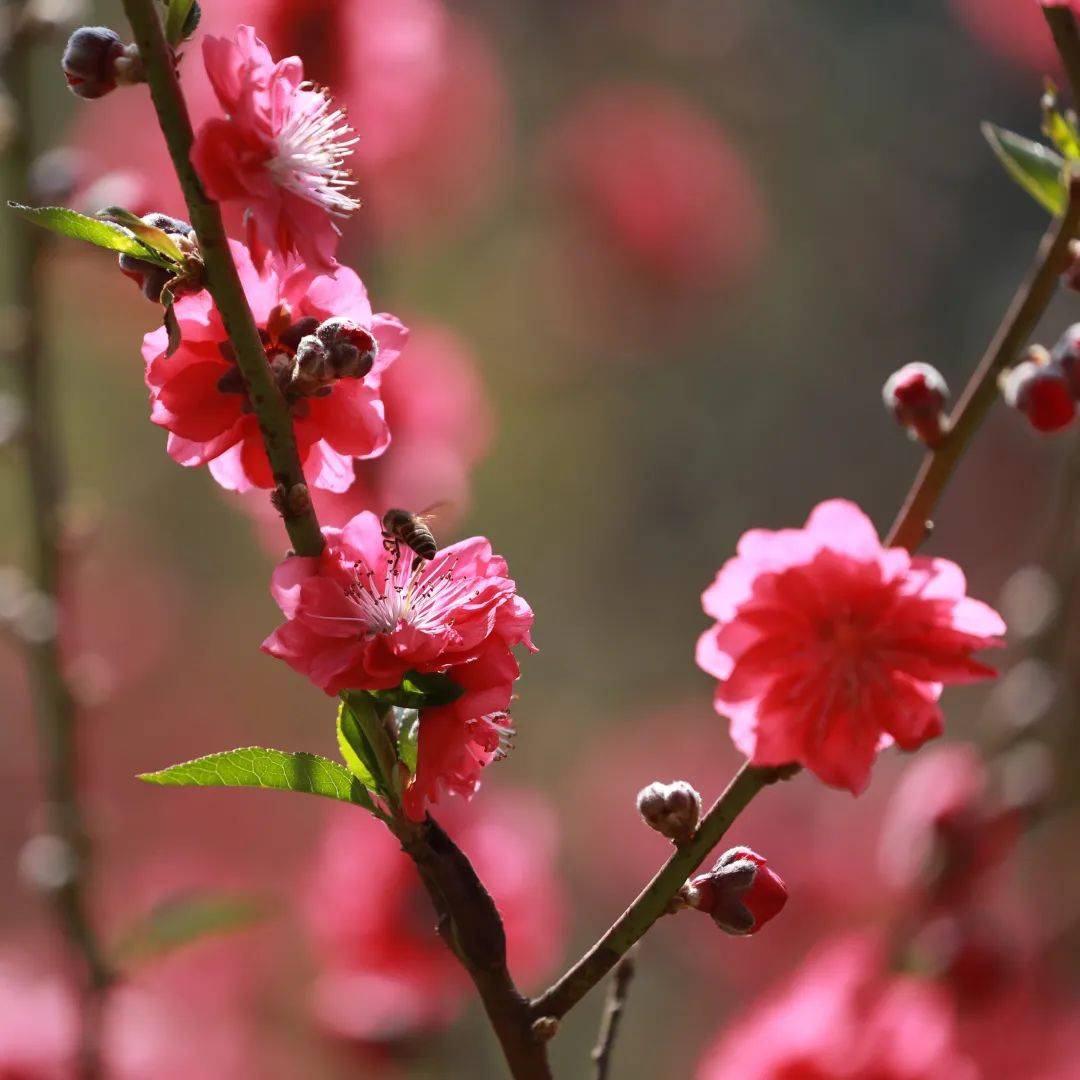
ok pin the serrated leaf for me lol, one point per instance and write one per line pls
(154, 238)
(355, 748)
(176, 20)
(256, 767)
(182, 919)
(1036, 168)
(103, 234)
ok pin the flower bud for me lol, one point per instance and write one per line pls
(1039, 388)
(673, 810)
(89, 61)
(151, 278)
(916, 396)
(1066, 353)
(740, 892)
(351, 349)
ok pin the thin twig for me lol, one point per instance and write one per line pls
(223, 281)
(53, 699)
(1028, 306)
(468, 918)
(1062, 25)
(621, 979)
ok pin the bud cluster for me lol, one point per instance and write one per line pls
(1045, 386)
(741, 893)
(96, 61)
(916, 395)
(335, 349)
(673, 810)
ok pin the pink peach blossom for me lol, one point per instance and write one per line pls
(279, 151)
(360, 617)
(385, 974)
(198, 396)
(829, 647)
(843, 1017)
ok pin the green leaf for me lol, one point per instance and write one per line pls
(408, 742)
(1036, 168)
(181, 13)
(154, 238)
(80, 227)
(355, 748)
(182, 919)
(255, 767)
(421, 690)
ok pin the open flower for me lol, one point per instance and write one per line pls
(829, 647)
(363, 614)
(198, 394)
(384, 975)
(280, 150)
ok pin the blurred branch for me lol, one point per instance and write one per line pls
(657, 895)
(913, 523)
(1062, 23)
(53, 698)
(609, 1025)
(469, 922)
(223, 281)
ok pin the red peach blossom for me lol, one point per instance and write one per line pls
(198, 396)
(843, 1017)
(280, 151)
(829, 647)
(385, 973)
(360, 617)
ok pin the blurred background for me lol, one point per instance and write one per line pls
(660, 257)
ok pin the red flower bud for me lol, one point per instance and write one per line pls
(1039, 388)
(351, 348)
(673, 810)
(89, 61)
(916, 396)
(740, 892)
(1067, 354)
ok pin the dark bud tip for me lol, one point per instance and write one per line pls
(89, 61)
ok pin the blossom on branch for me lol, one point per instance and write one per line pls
(364, 614)
(198, 393)
(830, 647)
(280, 150)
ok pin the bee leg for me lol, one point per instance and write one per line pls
(418, 561)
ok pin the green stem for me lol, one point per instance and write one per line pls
(222, 279)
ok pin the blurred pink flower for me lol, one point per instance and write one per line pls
(360, 617)
(440, 417)
(842, 1016)
(385, 973)
(942, 835)
(39, 1025)
(1013, 29)
(198, 396)
(657, 183)
(422, 87)
(829, 647)
(280, 151)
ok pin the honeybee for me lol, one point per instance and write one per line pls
(405, 527)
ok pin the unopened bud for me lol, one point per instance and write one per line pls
(741, 893)
(673, 810)
(151, 278)
(545, 1028)
(916, 396)
(89, 61)
(1067, 353)
(352, 350)
(1039, 388)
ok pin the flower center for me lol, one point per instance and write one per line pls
(310, 149)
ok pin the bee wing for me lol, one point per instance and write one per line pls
(431, 514)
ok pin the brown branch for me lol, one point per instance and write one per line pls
(913, 523)
(1062, 23)
(613, 1011)
(468, 918)
(54, 702)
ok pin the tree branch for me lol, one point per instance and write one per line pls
(223, 281)
(913, 523)
(53, 698)
(1062, 23)
(616, 1004)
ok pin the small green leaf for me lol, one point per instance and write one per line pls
(1036, 168)
(154, 238)
(80, 227)
(181, 21)
(182, 919)
(421, 690)
(355, 748)
(256, 767)
(408, 742)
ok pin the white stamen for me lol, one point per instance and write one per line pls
(312, 146)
